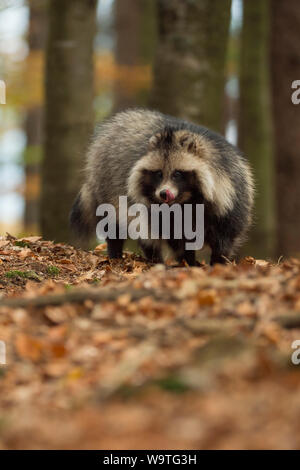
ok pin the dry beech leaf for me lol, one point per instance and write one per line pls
(92, 260)
(102, 337)
(246, 308)
(207, 297)
(248, 260)
(58, 332)
(124, 300)
(75, 374)
(101, 247)
(29, 347)
(57, 350)
(56, 314)
(56, 369)
(262, 263)
(88, 276)
(64, 261)
(272, 332)
(30, 239)
(26, 253)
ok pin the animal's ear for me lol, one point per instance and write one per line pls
(154, 141)
(188, 141)
(162, 140)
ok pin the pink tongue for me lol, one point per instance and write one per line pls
(170, 196)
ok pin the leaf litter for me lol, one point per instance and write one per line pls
(129, 355)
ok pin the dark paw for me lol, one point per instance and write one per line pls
(218, 259)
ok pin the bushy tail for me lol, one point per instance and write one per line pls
(83, 218)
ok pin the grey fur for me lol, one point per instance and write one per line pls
(121, 146)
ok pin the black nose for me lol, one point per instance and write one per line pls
(163, 194)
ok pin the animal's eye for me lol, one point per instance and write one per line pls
(158, 174)
(178, 175)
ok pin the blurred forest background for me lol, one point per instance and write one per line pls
(226, 64)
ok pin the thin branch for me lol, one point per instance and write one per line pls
(289, 321)
(81, 295)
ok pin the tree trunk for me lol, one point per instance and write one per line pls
(148, 37)
(148, 31)
(127, 27)
(135, 28)
(32, 164)
(285, 58)
(190, 64)
(69, 109)
(33, 124)
(255, 129)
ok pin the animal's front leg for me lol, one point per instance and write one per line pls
(115, 248)
(221, 251)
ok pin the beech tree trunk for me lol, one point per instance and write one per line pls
(255, 125)
(33, 123)
(190, 64)
(285, 57)
(135, 29)
(69, 110)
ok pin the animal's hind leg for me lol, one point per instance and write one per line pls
(190, 257)
(151, 252)
(178, 246)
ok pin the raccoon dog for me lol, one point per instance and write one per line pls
(153, 158)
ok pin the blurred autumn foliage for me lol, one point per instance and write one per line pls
(126, 355)
(26, 85)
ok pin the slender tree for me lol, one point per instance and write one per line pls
(148, 31)
(127, 27)
(33, 121)
(148, 46)
(68, 114)
(255, 129)
(135, 30)
(285, 59)
(190, 64)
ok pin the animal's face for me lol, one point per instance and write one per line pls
(166, 174)
(168, 185)
(181, 166)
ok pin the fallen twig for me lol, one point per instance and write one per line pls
(81, 295)
(289, 321)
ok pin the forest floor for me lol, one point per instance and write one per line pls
(126, 355)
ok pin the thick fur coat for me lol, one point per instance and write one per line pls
(148, 156)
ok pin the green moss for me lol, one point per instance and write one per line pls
(53, 270)
(15, 274)
(169, 383)
(172, 384)
(21, 243)
(68, 286)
